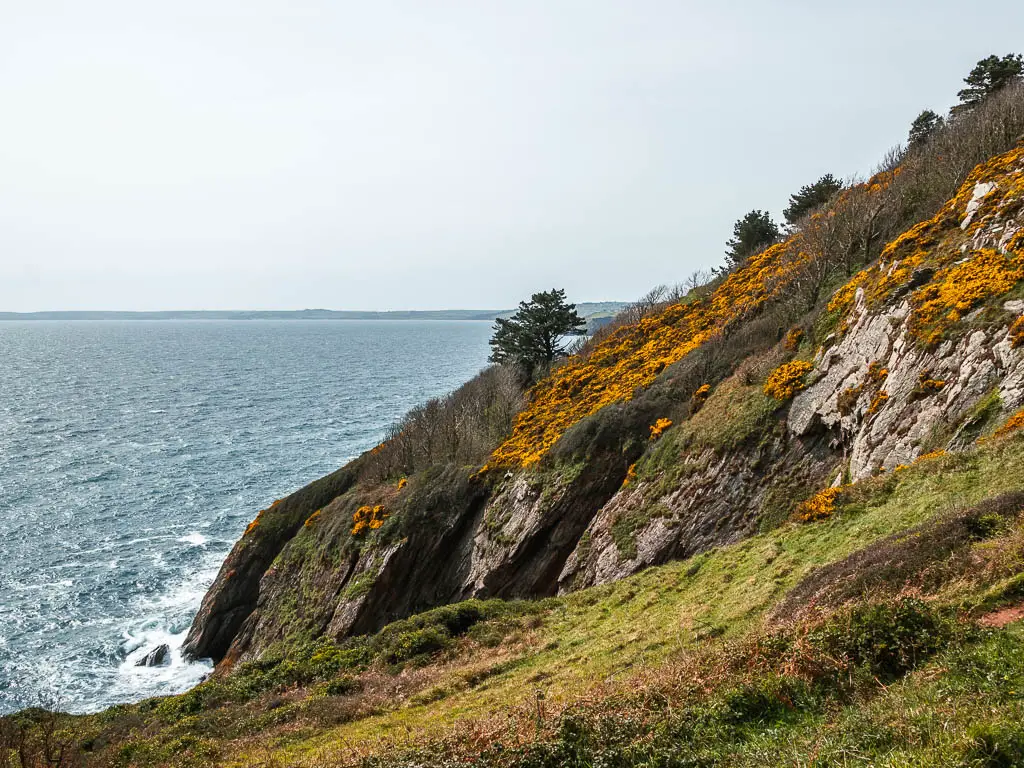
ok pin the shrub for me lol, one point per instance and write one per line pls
(1017, 332)
(699, 397)
(880, 399)
(846, 400)
(658, 427)
(926, 385)
(996, 745)
(820, 506)
(767, 700)
(957, 289)
(1012, 424)
(889, 639)
(785, 381)
(368, 518)
(793, 339)
(414, 643)
(922, 558)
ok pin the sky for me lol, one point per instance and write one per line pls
(381, 155)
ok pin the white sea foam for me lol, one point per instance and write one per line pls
(174, 676)
(195, 539)
(165, 621)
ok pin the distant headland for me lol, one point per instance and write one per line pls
(589, 310)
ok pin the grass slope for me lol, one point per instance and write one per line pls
(484, 673)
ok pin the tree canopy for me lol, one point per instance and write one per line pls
(750, 234)
(811, 196)
(532, 338)
(988, 76)
(924, 125)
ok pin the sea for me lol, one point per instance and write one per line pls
(134, 453)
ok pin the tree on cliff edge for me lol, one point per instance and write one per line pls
(811, 197)
(988, 76)
(532, 338)
(923, 128)
(752, 233)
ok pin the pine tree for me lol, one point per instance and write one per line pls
(811, 196)
(532, 338)
(923, 127)
(988, 76)
(750, 234)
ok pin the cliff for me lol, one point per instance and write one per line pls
(707, 421)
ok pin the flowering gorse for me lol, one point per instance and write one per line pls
(1013, 424)
(786, 380)
(1017, 332)
(368, 518)
(933, 251)
(634, 355)
(658, 427)
(820, 506)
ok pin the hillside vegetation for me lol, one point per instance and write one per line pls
(778, 520)
(901, 650)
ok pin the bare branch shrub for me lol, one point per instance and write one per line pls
(908, 186)
(461, 428)
(35, 739)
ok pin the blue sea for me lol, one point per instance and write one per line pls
(134, 453)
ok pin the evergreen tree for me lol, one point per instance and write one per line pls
(988, 76)
(750, 234)
(532, 338)
(923, 127)
(811, 196)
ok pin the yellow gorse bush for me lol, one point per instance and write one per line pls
(1017, 332)
(699, 397)
(658, 427)
(958, 284)
(793, 339)
(633, 356)
(630, 475)
(368, 518)
(1013, 424)
(877, 402)
(926, 385)
(957, 289)
(785, 381)
(820, 506)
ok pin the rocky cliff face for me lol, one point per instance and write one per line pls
(664, 441)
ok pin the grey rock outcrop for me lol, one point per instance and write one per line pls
(158, 657)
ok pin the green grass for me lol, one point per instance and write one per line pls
(418, 679)
(608, 632)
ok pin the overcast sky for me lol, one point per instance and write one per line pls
(205, 154)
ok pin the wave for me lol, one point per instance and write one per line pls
(177, 675)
